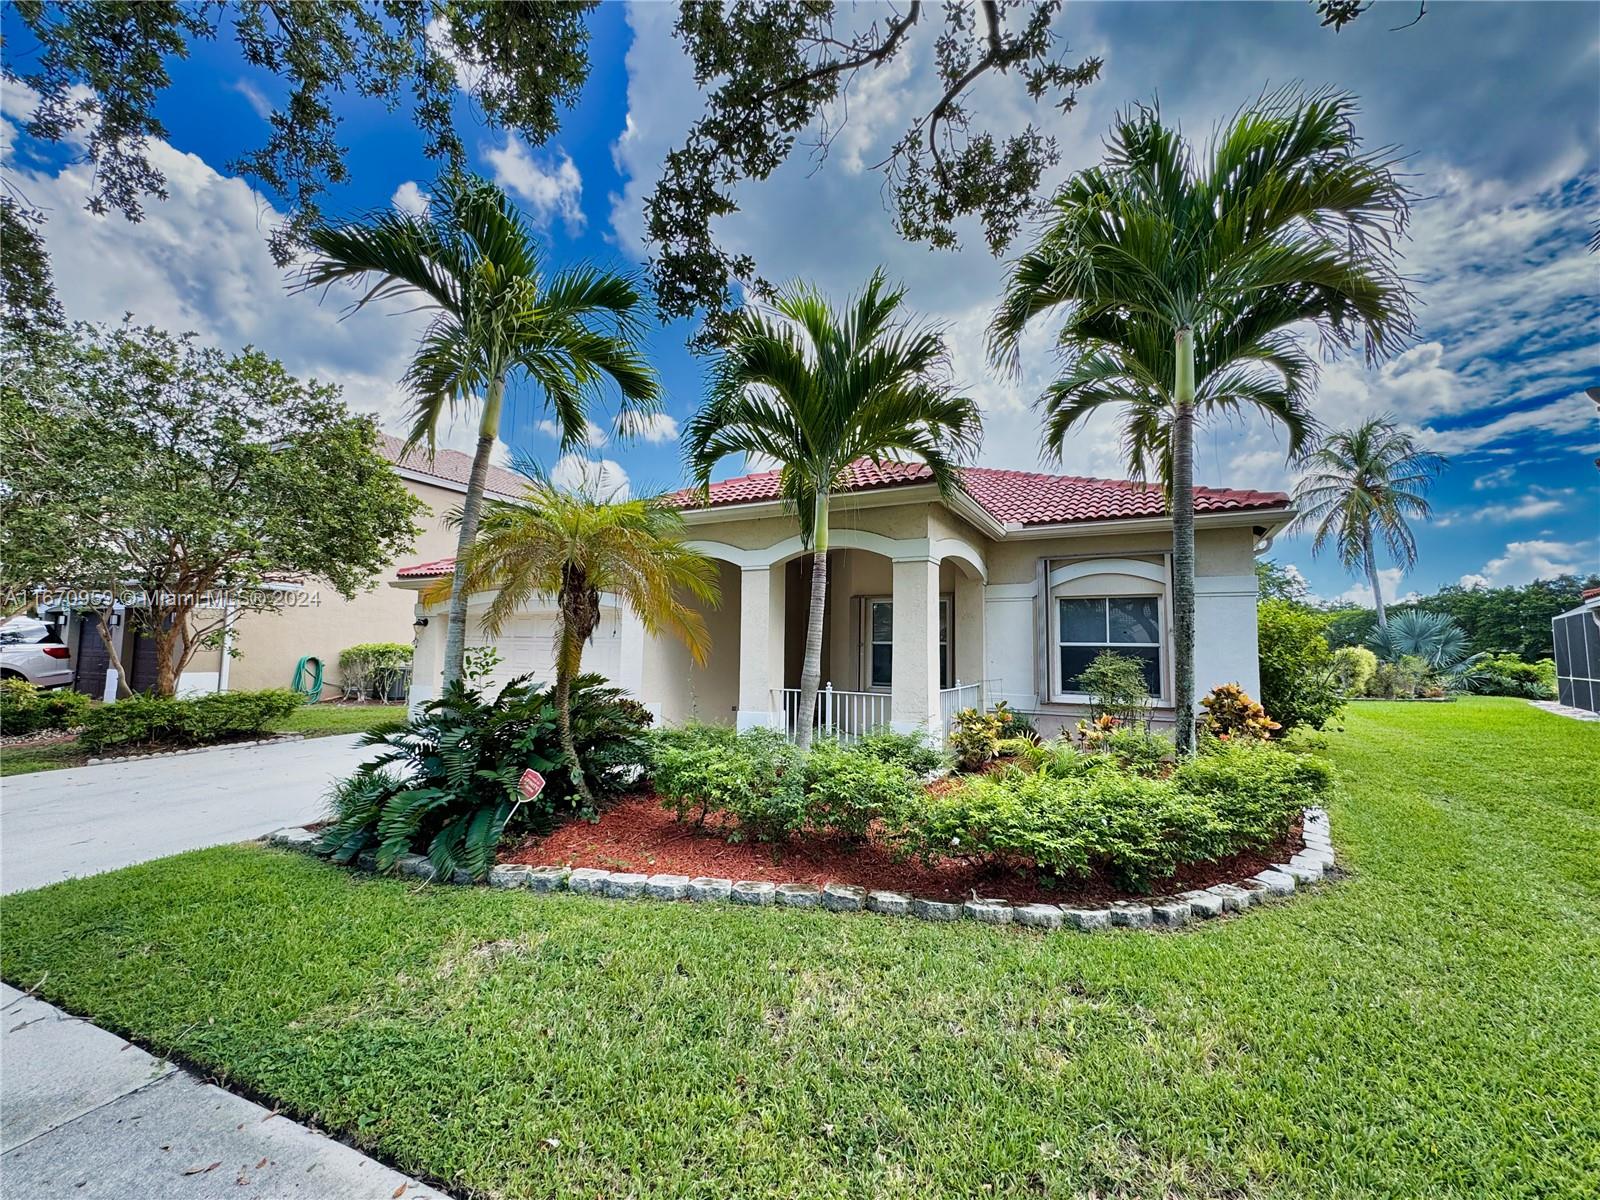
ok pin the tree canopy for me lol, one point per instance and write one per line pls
(143, 465)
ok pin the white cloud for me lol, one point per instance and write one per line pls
(601, 477)
(1559, 419)
(654, 428)
(1499, 477)
(1536, 502)
(255, 96)
(550, 188)
(410, 198)
(1523, 562)
(594, 436)
(1390, 579)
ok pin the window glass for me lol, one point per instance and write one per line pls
(882, 664)
(1075, 658)
(882, 622)
(1135, 619)
(1083, 620)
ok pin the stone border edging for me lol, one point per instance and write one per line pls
(1307, 866)
(107, 760)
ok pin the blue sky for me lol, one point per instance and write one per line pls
(1495, 106)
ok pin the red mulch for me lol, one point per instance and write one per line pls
(638, 834)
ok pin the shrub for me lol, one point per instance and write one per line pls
(1353, 669)
(1116, 684)
(975, 736)
(1080, 812)
(1298, 683)
(372, 669)
(193, 721)
(1508, 675)
(446, 780)
(846, 790)
(912, 751)
(1231, 713)
(1405, 679)
(701, 770)
(24, 708)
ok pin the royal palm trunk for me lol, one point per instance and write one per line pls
(1183, 542)
(811, 669)
(455, 640)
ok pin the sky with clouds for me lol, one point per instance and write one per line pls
(1493, 105)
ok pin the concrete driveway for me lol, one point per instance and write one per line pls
(57, 824)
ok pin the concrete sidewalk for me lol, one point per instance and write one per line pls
(84, 1114)
(58, 824)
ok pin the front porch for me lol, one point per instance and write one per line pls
(902, 642)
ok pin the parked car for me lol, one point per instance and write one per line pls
(31, 650)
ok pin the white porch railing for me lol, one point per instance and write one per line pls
(953, 699)
(840, 714)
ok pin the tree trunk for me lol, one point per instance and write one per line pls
(1183, 543)
(165, 634)
(1372, 578)
(579, 605)
(455, 640)
(811, 668)
(115, 659)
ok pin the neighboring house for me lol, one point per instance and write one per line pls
(1577, 638)
(313, 620)
(1005, 593)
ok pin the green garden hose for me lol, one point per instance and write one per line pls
(314, 689)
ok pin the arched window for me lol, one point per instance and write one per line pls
(1094, 605)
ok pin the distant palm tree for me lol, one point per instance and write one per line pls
(1361, 485)
(813, 389)
(575, 546)
(472, 261)
(1183, 282)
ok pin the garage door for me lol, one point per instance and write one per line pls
(527, 646)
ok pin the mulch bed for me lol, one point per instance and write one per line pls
(638, 834)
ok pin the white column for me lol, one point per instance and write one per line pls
(761, 614)
(968, 628)
(427, 659)
(914, 695)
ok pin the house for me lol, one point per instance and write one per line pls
(1004, 592)
(1577, 640)
(264, 647)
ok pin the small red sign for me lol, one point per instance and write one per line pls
(531, 784)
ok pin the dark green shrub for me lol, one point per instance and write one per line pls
(847, 789)
(1298, 683)
(192, 721)
(1082, 811)
(446, 781)
(749, 780)
(1508, 675)
(1116, 684)
(25, 708)
(372, 669)
(912, 751)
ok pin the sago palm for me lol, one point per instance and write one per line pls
(1182, 280)
(1359, 487)
(471, 260)
(575, 546)
(814, 388)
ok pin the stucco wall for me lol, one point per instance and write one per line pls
(680, 690)
(270, 643)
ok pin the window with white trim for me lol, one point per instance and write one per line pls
(1087, 625)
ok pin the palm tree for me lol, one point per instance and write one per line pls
(1360, 486)
(471, 260)
(574, 545)
(1183, 279)
(814, 389)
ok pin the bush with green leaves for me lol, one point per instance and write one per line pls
(847, 789)
(1353, 669)
(445, 782)
(749, 781)
(1407, 678)
(1298, 683)
(25, 708)
(910, 750)
(372, 670)
(975, 736)
(1116, 686)
(1082, 812)
(1509, 675)
(186, 721)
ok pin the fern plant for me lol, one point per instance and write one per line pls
(445, 782)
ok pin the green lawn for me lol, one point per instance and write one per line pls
(313, 720)
(1429, 1026)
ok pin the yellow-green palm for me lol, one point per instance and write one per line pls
(576, 546)
(472, 262)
